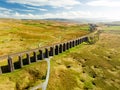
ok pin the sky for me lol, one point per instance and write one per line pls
(67, 9)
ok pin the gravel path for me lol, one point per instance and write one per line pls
(44, 84)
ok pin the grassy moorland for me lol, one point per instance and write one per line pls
(85, 67)
(21, 35)
(25, 77)
(88, 67)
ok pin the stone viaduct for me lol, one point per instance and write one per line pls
(35, 55)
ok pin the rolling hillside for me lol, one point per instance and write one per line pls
(85, 67)
(21, 35)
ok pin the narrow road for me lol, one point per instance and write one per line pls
(44, 84)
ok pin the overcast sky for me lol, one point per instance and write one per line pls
(69, 9)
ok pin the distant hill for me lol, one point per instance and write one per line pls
(84, 20)
(114, 23)
(75, 20)
(70, 20)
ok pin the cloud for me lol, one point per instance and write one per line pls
(8, 13)
(35, 8)
(66, 15)
(53, 3)
(29, 2)
(106, 3)
(5, 9)
(4, 12)
(42, 9)
(23, 10)
(64, 3)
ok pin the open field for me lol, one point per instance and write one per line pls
(21, 35)
(87, 66)
(95, 67)
(111, 28)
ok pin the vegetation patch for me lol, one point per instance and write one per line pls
(24, 78)
(21, 35)
(85, 67)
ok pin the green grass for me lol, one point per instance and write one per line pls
(90, 67)
(21, 35)
(24, 78)
(86, 66)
